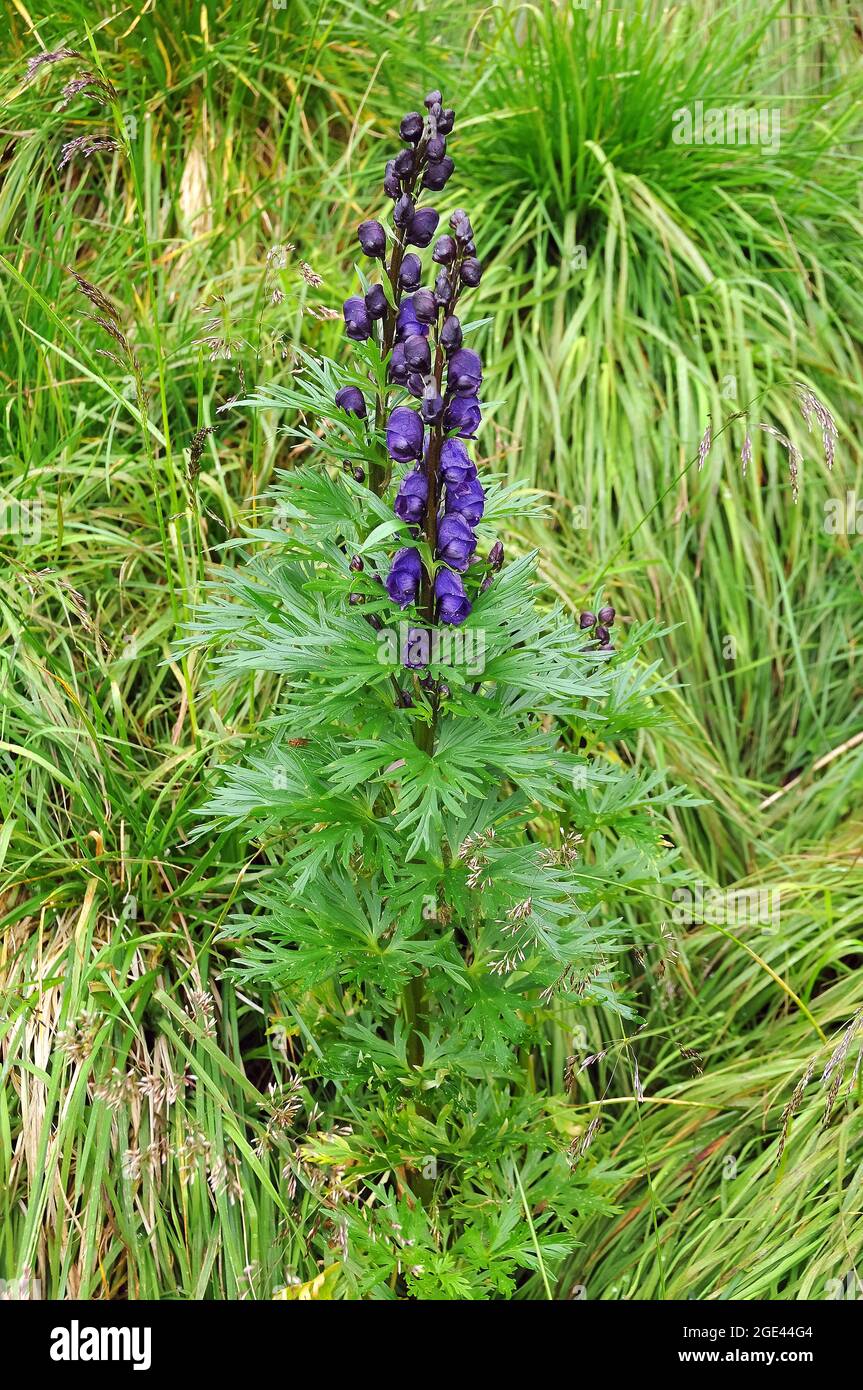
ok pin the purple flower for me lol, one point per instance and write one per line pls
(404, 435)
(422, 227)
(425, 306)
(411, 127)
(376, 302)
(463, 415)
(466, 499)
(403, 580)
(436, 175)
(372, 238)
(445, 122)
(453, 602)
(432, 404)
(407, 321)
(444, 250)
(464, 373)
(398, 368)
(417, 352)
(455, 462)
(456, 542)
(410, 271)
(357, 321)
(450, 334)
(404, 208)
(351, 399)
(495, 555)
(411, 498)
(392, 186)
(417, 654)
(471, 272)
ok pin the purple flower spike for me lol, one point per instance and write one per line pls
(403, 580)
(422, 227)
(466, 499)
(404, 435)
(464, 374)
(351, 399)
(456, 542)
(357, 320)
(456, 464)
(411, 498)
(463, 415)
(453, 602)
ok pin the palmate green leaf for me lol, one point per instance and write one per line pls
(338, 928)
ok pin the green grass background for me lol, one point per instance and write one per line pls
(634, 287)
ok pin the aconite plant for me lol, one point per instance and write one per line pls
(451, 868)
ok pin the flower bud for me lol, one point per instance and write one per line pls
(405, 163)
(444, 250)
(357, 321)
(398, 368)
(410, 271)
(587, 619)
(602, 633)
(354, 599)
(436, 149)
(495, 555)
(357, 564)
(446, 121)
(471, 272)
(422, 226)
(416, 385)
(351, 399)
(372, 238)
(392, 185)
(411, 127)
(359, 474)
(403, 211)
(443, 289)
(432, 405)
(437, 175)
(451, 334)
(433, 99)
(418, 353)
(606, 615)
(376, 302)
(406, 699)
(425, 306)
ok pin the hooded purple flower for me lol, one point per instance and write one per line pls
(463, 415)
(418, 353)
(404, 435)
(357, 320)
(453, 602)
(422, 227)
(407, 322)
(410, 272)
(466, 499)
(464, 373)
(456, 464)
(418, 649)
(351, 399)
(450, 334)
(411, 498)
(398, 368)
(372, 238)
(403, 580)
(456, 542)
